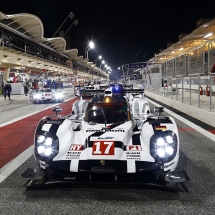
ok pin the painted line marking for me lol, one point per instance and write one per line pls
(191, 124)
(10, 167)
(31, 114)
(186, 129)
(15, 163)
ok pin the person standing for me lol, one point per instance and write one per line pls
(25, 85)
(7, 90)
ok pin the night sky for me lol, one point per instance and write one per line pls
(123, 31)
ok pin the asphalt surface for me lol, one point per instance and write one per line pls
(197, 154)
(20, 105)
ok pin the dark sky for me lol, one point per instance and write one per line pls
(123, 31)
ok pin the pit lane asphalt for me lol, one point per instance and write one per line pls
(197, 154)
(20, 105)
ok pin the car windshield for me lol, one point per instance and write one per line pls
(107, 113)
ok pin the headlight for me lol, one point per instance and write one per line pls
(46, 146)
(163, 146)
(37, 96)
(58, 95)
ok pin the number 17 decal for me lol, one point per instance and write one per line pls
(103, 148)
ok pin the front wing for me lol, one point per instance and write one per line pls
(172, 181)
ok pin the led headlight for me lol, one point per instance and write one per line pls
(160, 142)
(46, 146)
(163, 145)
(40, 138)
(58, 95)
(169, 139)
(37, 96)
(48, 141)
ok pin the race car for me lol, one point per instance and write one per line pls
(106, 140)
(46, 95)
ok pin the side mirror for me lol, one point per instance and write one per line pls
(57, 110)
(158, 110)
(76, 125)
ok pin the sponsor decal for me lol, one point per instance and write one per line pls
(76, 147)
(134, 158)
(74, 151)
(103, 148)
(133, 155)
(160, 128)
(106, 138)
(105, 130)
(134, 148)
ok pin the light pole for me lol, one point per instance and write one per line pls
(74, 23)
(103, 62)
(90, 46)
(71, 16)
(98, 58)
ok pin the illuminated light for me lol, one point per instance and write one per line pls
(48, 141)
(40, 139)
(181, 49)
(161, 153)
(37, 96)
(107, 100)
(161, 58)
(169, 139)
(208, 35)
(48, 151)
(172, 52)
(91, 45)
(94, 113)
(41, 149)
(169, 150)
(160, 142)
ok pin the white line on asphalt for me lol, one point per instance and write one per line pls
(23, 117)
(15, 163)
(196, 127)
(10, 167)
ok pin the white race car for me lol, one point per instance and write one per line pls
(105, 139)
(46, 95)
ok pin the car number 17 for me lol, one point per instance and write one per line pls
(103, 148)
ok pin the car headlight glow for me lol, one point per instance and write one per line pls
(161, 153)
(41, 149)
(48, 141)
(45, 146)
(169, 139)
(163, 145)
(169, 150)
(58, 95)
(40, 139)
(160, 142)
(48, 151)
(37, 96)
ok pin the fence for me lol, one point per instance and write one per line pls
(195, 89)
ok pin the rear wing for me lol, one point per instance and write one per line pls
(121, 92)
